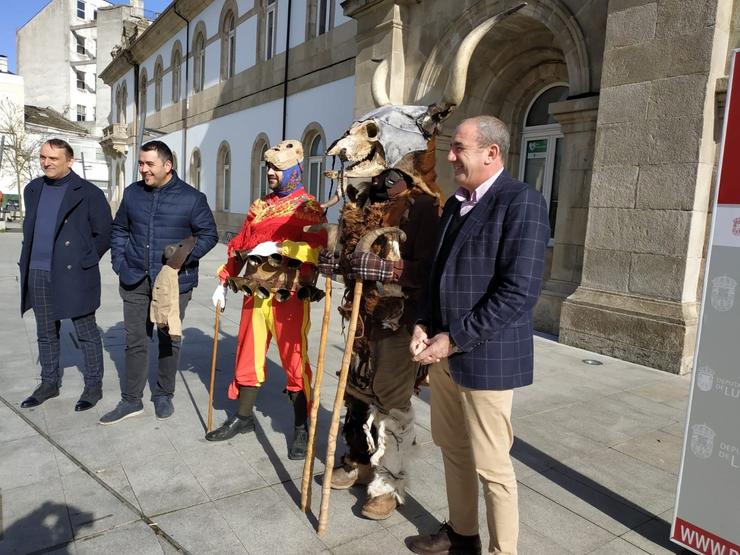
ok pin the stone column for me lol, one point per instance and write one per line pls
(379, 37)
(577, 119)
(653, 163)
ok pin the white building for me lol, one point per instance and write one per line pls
(210, 77)
(76, 38)
(11, 108)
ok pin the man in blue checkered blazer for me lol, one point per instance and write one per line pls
(476, 333)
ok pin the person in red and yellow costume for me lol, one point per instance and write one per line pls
(274, 226)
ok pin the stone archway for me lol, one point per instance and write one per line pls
(538, 46)
(550, 14)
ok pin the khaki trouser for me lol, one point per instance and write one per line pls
(473, 429)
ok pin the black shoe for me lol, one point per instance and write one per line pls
(163, 407)
(445, 542)
(124, 409)
(89, 398)
(233, 425)
(43, 392)
(300, 442)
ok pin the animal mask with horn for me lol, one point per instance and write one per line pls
(403, 137)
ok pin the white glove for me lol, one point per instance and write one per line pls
(219, 297)
(266, 249)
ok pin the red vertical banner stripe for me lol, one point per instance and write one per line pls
(729, 182)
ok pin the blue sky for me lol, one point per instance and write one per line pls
(20, 11)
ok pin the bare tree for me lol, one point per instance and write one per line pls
(21, 147)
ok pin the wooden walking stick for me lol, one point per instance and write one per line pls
(315, 400)
(332, 231)
(213, 365)
(362, 246)
(338, 402)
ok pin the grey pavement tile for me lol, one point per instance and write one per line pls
(259, 517)
(163, 483)
(657, 448)
(138, 439)
(377, 542)
(25, 461)
(628, 400)
(91, 446)
(539, 444)
(653, 536)
(605, 427)
(12, 426)
(676, 429)
(344, 521)
(35, 517)
(201, 529)
(95, 508)
(115, 477)
(132, 538)
(562, 526)
(618, 547)
(532, 542)
(664, 392)
(588, 502)
(221, 471)
(621, 476)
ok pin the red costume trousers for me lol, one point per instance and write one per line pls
(289, 323)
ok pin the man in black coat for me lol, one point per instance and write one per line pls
(66, 230)
(155, 212)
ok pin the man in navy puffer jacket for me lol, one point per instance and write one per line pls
(157, 211)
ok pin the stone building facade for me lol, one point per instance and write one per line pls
(615, 108)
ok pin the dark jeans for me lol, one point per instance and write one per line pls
(136, 301)
(47, 334)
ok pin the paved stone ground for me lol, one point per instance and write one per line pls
(597, 453)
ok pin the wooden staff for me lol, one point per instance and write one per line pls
(213, 365)
(338, 402)
(315, 401)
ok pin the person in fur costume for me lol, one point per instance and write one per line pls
(274, 226)
(379, 424)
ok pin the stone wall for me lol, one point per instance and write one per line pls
(652, 176)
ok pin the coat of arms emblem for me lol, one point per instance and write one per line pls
(702, 440)
(704, 378)
(722, 295)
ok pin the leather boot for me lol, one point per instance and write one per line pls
(242, 422)
(351, 474)
(43, 392)
(380, 507)
(89, 398)
(233, 425)
(300, 444)
(445, 542)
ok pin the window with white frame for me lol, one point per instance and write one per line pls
(80, 44)
(542, 148)
(324, 16)
(176, 74)
(81, 112)
(158, 76)
(124, 101)
(228, 46)
(81, 9)
(80, 78)
(270, 28)
(199, 62)
(142, 93)
(263, 184)
(315, 172)
(223, 178)
(195, 169)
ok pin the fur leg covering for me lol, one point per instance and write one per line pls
(395, 437)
